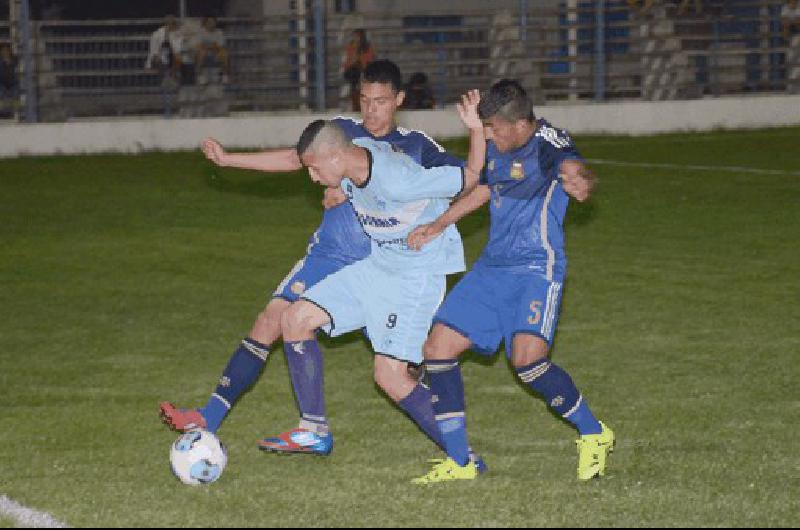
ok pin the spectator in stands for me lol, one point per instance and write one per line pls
(790, 19)
(212, 55)
(640, 7)
(359, 54)
(9, 84)
(683, 7)
(164, 57)
(418, 93)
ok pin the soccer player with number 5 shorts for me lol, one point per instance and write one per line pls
(513, 293)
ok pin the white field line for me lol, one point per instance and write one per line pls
(27, 518)
(731, 169)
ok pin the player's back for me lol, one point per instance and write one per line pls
(400, 195)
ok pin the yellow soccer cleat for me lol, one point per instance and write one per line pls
(445, 470)
(593, 451)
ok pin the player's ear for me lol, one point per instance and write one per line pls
(400, 98)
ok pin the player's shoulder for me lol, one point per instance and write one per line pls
(383, 153)
(419, 137)
(552, 136)
(352, 126)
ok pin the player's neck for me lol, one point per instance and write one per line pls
(359, 165)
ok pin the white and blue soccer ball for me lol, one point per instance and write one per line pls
(198, 457)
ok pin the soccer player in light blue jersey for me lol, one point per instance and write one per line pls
(339, 241)
(513, 293)
(394, 292)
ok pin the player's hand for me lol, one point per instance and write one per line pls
(468, 109)
(422, 235)
(333, 197)
(213, 151)
(577, 180)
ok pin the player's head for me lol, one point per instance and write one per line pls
(210, 23)
(507, 112)
(322, 148)
(171, 22)
(381, 95)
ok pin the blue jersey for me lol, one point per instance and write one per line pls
(341, 236)
(400, 195)
(528, 204)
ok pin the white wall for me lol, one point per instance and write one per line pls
(279, 130)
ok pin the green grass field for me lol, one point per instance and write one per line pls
(125, 281)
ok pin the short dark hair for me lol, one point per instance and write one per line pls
(309, 135)
(383, 71)
(507, 100)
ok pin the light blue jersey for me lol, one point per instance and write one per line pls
(340, 236)
(395, 291)
(400, 195)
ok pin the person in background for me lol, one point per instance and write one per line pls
(359, 54)
(164, 57)
(9, 83)
(683, 7)
(211, 50)
(790, 19)
(418, 93)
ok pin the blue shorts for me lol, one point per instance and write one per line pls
(490, 305)
(396, 308)
(306, 273)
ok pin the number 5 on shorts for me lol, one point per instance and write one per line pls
(536, 309)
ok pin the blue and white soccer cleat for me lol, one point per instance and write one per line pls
(298, 441)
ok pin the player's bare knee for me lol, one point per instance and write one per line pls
(430, 350)
(383, 378)
(443, 344)
(528, 349)
(293, 321)
(392, 377)
(267, 328)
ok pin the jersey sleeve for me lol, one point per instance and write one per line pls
(434, 155)
(557, 146)
(351, 127)
(418, 182)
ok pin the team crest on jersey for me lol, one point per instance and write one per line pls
(517, 171)
(298, 288)
(491, 164)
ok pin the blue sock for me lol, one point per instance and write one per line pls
(447, 387)
(243, 369)
(557, 388)
(419, 406)
(305, 367)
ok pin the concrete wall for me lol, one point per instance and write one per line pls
(279, 130)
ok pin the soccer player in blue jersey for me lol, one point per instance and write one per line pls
(339, 241)
(513, 293)
(395, 291)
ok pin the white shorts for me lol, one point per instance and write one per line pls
(396, 308)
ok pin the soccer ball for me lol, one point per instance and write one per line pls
(198, 457)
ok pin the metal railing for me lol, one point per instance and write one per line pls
(98, 68)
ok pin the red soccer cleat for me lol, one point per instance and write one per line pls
(298, 441)
(182, 420)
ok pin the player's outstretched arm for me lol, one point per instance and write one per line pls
(577, 179)
(422, 235)
(468, 111)
(271, 160)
